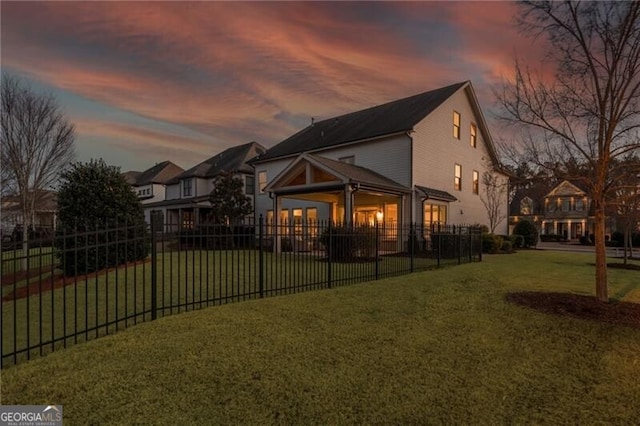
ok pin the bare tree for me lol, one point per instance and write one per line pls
(626, 200)
(37, 143)
(495, 191)
(588, 113)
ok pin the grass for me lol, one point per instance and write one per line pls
(95, 306)
(434, 347)
(12, 261)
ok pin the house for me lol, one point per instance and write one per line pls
(150, 185)
(565, 210)
(414, 160)
(186, 202)
(44, 214)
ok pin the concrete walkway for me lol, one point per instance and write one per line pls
(577, 248)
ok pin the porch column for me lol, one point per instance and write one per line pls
(555, 227)
(348, 207)
(277, 230)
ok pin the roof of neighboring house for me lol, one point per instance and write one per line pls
(386, 119)
(131, 176)
(160, 173)
(233, 160)
(46, 201)
(436, 194)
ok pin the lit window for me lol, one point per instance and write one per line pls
(456, 125)
(434, 214)
(262, 181)
(312, 218)
(476, 182)
(297, 221)
(284, 222)
(187, 187)
(474, 133)
(526, 206)
(457, 180)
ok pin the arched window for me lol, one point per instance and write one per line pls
(526, 206)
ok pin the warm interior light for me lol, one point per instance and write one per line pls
(379, 216)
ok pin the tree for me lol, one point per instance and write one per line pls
(494, 199)
(229, 202)
(100, 222)
(626, 200)
(528, 231)
(588, 113)
(37, 144)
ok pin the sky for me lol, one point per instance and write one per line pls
(145, 82)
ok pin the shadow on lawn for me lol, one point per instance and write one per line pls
(578, 306)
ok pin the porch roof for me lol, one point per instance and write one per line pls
(435, 194)
(344, 173)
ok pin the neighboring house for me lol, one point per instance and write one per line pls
(44, 216)
(150, 185)
(565, 210)
(415, 160)
(186, 202)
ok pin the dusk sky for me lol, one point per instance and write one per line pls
(145, 82)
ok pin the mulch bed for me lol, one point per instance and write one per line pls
(16, 277)
(57, 281)
(578, 306)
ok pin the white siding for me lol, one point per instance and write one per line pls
(173, 191)
(436, 151)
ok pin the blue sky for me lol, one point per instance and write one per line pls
(145, 82)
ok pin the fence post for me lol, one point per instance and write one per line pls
(439, 242)
(261, 255)
(329, 252)
(156, 226)
(413, 238)
(377, 249)
(459, 244)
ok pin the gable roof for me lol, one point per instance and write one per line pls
(160, 173)
(387, 119)
(565, 188)
(435, 194)
(346, 173)
(232, 160)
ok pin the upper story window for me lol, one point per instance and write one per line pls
(349, 160)
(526, 206)
(566, 205)
(262, 181)
(579, 205)
(187, 187)
(551, 205)
(457, 179)
(456, 124)
(249, 185)
(474, 135)
(476, 182)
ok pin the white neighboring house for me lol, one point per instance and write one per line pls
(186, 203)
(415, 160)
(150, 185)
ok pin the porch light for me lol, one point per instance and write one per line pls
(379, 216)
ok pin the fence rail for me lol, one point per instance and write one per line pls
(93, 282)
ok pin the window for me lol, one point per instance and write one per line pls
(579, 205)
(551, 206)
(476, 182)
(312, 218)
(566, 205)
(297, 221)
(526, 206)
(269, 221)
(262, 181)
(457, 180)
(187, 187)
(434, 214)
(349, 160)
(456, 125)
(248, 185)
(284, 222)
(474, 132)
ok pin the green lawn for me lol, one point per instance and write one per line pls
(13, 260)
(187, 280)
(434, 347)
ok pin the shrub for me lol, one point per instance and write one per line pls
(506, 246)
(528, 231)
(100, 219)
(517, 241)
(347, 243)
(491, 243)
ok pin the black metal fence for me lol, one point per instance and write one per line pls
(45, 307)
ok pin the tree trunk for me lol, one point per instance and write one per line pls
(601, 253)
(627, 242)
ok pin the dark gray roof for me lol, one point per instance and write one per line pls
(231, 160)
(160, 173)
(436, 194)
(131, 176)
(387, 119)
